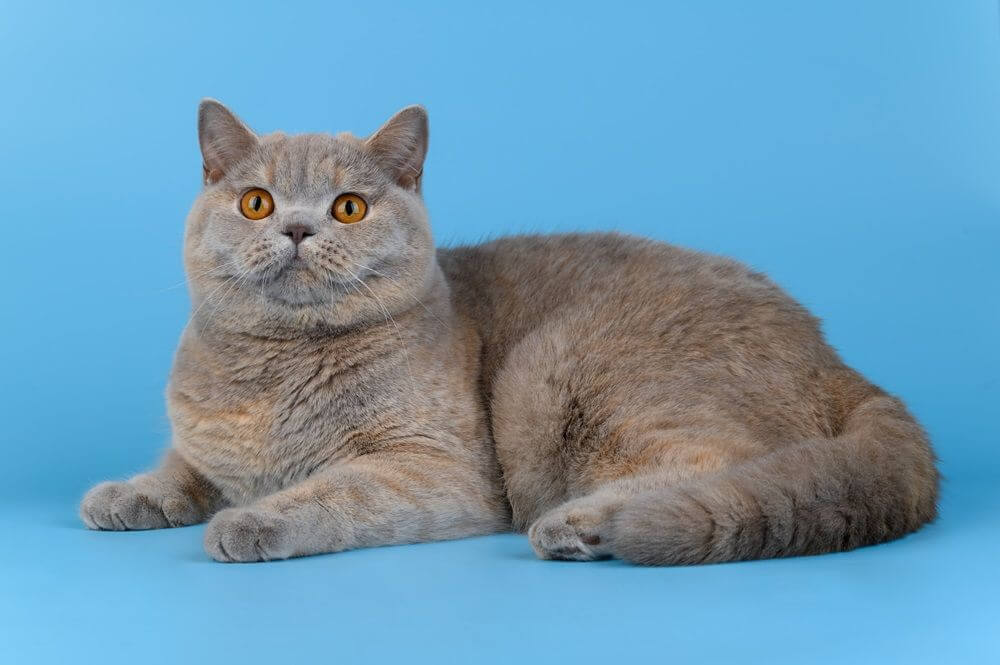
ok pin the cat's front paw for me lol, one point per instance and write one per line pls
(249, 534)
(118, 506)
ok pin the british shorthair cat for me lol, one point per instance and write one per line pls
(341, 383)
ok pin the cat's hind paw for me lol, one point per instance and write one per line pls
(569, 533)
(249, 534)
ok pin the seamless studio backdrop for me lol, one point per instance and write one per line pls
(849, 149)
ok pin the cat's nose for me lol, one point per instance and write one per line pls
(298, 232)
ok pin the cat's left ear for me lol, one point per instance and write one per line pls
(225, 140)
(400, 146)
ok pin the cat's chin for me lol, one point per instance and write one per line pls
(297, 286)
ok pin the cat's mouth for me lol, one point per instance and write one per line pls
(299, 282)
(295, 269)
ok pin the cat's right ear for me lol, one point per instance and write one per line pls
(224, 139)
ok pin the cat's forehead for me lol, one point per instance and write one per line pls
(315, 164)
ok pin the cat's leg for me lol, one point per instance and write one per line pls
(172, 495)
(411, 494)
(582, 528)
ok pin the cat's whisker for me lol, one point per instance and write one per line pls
(234, 285)
(263, 281)
(208, 298)
(389, 317)
(204, 273)
(418, 300)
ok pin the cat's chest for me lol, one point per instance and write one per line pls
(257, 424)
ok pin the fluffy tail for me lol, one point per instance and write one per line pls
(874, 482)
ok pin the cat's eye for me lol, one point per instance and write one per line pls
(256, 204)
(349, 208)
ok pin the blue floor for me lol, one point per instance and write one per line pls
(70, 595)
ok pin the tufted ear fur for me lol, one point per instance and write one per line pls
(400, 146)
(224, 139)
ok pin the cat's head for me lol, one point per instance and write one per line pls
(307, 231)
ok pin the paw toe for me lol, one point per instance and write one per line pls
(95, 509)
(134, 510)
(179, 512)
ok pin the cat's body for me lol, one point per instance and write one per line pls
(614, 395)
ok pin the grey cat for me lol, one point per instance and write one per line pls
(343, 384)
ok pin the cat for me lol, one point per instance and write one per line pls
(341, 383)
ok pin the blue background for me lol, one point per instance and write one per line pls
(851, 149)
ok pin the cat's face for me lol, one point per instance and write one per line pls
(307, 231)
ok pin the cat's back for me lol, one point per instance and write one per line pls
(618, 308)
(511, 285)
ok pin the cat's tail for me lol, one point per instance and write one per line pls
(875, 481)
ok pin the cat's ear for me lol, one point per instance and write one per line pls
(400, 146)
(224, 139)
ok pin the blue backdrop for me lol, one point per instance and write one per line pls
(851, 149)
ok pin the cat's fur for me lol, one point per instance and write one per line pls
(613, 396)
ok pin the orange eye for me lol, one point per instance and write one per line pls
(256, 204)
(349, 208)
